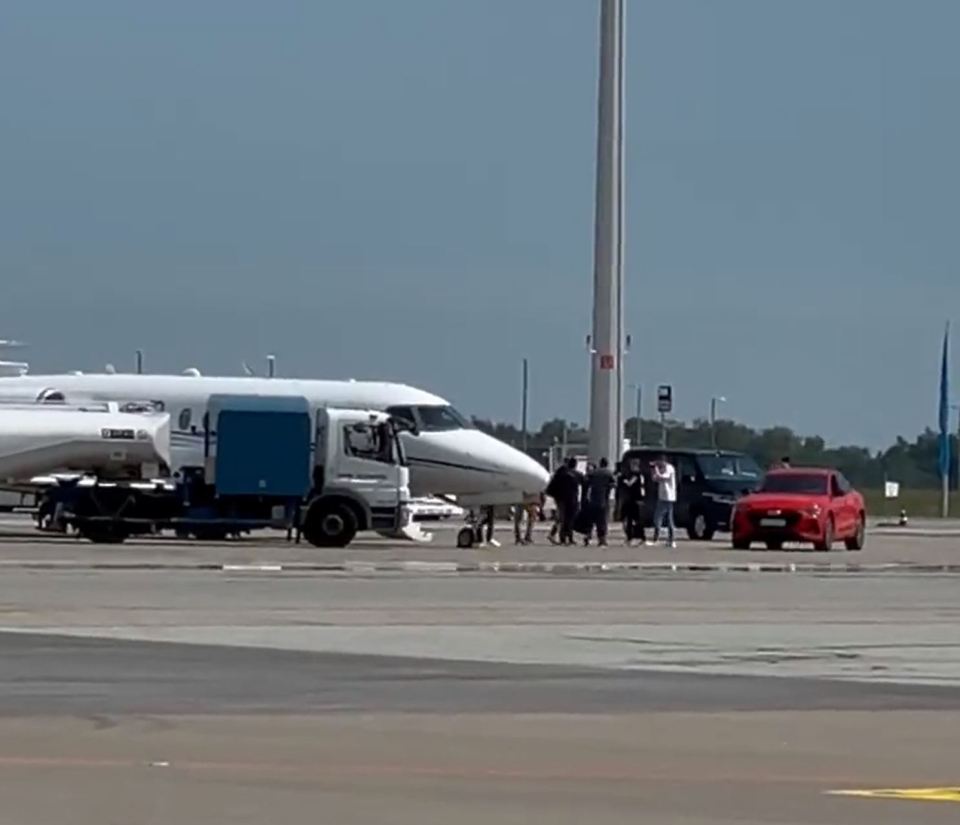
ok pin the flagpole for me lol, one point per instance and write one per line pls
(945, 425)
(945, 496)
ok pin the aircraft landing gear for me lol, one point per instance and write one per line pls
(468, 537)
(478, 530)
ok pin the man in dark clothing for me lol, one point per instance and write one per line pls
(632, 491)
(597, 488)
(564, 489)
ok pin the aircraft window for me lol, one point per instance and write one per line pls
(435, 419)
(183, 422)
(142, 406)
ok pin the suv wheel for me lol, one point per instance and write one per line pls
(699, 528)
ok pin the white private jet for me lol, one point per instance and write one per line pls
(12, 367)
(446, 454)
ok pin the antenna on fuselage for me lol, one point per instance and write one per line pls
(271, 366)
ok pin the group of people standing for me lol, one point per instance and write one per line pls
(583, 500)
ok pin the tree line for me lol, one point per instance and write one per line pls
(912, 463)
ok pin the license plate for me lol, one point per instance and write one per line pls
(773, 522)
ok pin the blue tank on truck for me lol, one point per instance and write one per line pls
(261, 445)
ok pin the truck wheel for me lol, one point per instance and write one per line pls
(699, 529)
(330, 525)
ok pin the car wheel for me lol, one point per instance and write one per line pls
(741, 544)
(858, 539)
(825, 545)
(699, 528)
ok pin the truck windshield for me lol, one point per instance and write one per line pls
(732, 467)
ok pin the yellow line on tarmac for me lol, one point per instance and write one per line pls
(913, 794)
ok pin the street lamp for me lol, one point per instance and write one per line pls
(523, 404)
(717, 399)
(638, 420)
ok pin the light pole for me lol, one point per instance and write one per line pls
(606, 367)
(638, 420)
(523, 406)
(717, 399)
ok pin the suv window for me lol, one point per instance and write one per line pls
(836, 489)
(686, 469)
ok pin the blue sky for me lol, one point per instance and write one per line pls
(405, 190)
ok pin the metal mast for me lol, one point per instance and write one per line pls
(606, 374)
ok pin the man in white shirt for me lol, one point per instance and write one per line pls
(665, 476)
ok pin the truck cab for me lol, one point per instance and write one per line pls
(360, 479)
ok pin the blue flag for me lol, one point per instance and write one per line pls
(945, 407)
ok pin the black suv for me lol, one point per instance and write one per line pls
(708, 484)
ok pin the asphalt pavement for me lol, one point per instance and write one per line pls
(22, 545)
(174, 682)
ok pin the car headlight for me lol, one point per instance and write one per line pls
(813, 511)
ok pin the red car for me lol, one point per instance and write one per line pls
(805, 504)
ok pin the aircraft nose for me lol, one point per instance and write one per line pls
(532, 475)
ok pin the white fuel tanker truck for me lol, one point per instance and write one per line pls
(37, 439)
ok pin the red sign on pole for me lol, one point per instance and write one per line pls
(607, 362)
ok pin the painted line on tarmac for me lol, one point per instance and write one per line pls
(252, 568)
(911, 794)
(559, 568)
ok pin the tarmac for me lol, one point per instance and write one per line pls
(919, 549)
(243, 682)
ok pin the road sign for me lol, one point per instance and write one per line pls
(664, 398)
(891, 489)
